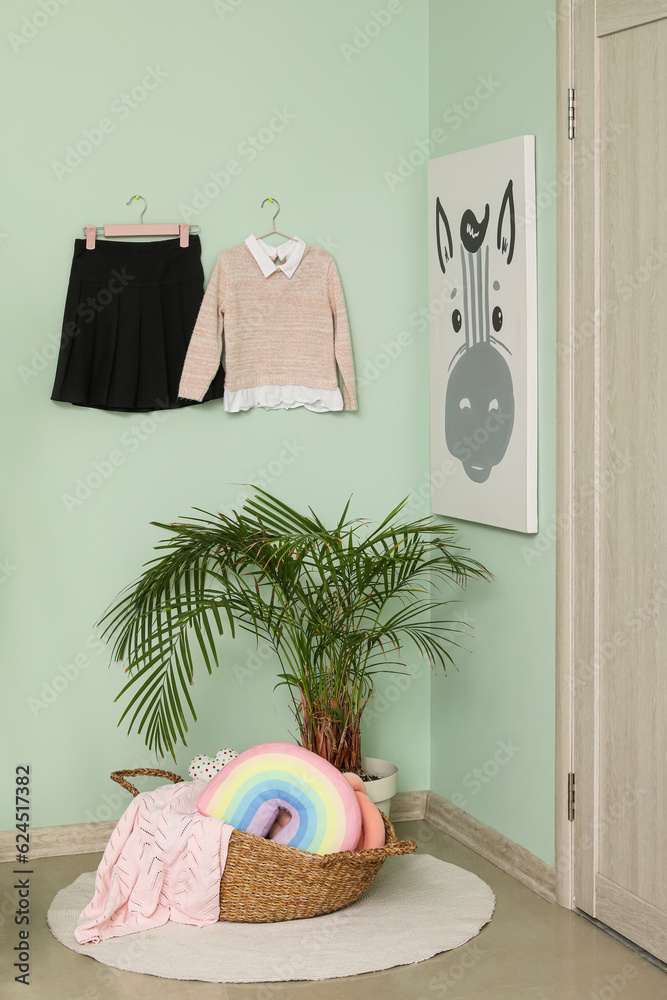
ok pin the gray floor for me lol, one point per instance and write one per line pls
(531, 950)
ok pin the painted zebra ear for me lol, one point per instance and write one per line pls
(507, 224)
(445, 246)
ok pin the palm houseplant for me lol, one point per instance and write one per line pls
(336, 604)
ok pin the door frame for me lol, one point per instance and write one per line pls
(564, 464)
(577, 430)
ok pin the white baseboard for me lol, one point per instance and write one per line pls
(89, 838)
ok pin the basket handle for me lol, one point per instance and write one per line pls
(396, 847)
(400, 847)
(156, 772)
(391, 844)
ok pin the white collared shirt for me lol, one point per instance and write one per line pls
(289, 254)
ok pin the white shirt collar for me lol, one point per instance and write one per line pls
(289, 254)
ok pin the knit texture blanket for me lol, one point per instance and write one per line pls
(164, 861)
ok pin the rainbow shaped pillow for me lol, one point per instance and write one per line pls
(249, 792)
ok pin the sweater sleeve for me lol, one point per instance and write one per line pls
(205, 349)
(342, 344)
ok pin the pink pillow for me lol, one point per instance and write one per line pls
(372, 825)
(355, 781)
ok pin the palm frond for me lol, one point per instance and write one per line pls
(336, 605)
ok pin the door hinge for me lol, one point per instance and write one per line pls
(571, 113)
(570, 796)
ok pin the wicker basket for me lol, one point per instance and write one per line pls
(265, 882)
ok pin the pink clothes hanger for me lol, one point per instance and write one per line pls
(274, 230)
(181, 229)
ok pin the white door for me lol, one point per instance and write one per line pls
(618, 551)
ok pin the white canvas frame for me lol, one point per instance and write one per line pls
(501, 176)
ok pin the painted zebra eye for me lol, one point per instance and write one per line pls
(456, 320)
(465, 404)
(497, 318)
(493, 406)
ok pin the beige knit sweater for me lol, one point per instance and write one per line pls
(276, 330)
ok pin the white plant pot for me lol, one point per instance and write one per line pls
(382, 790)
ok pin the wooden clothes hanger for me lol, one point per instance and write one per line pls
(181, 229)
(275, 231)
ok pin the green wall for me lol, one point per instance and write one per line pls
(492, 724)
(351, 83)
(350, 100)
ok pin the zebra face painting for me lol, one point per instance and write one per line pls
(479, 402)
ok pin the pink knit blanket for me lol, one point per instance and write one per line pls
(164, 861)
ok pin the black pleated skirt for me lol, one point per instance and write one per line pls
(129, 315)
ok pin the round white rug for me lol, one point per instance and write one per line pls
(416, 907)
